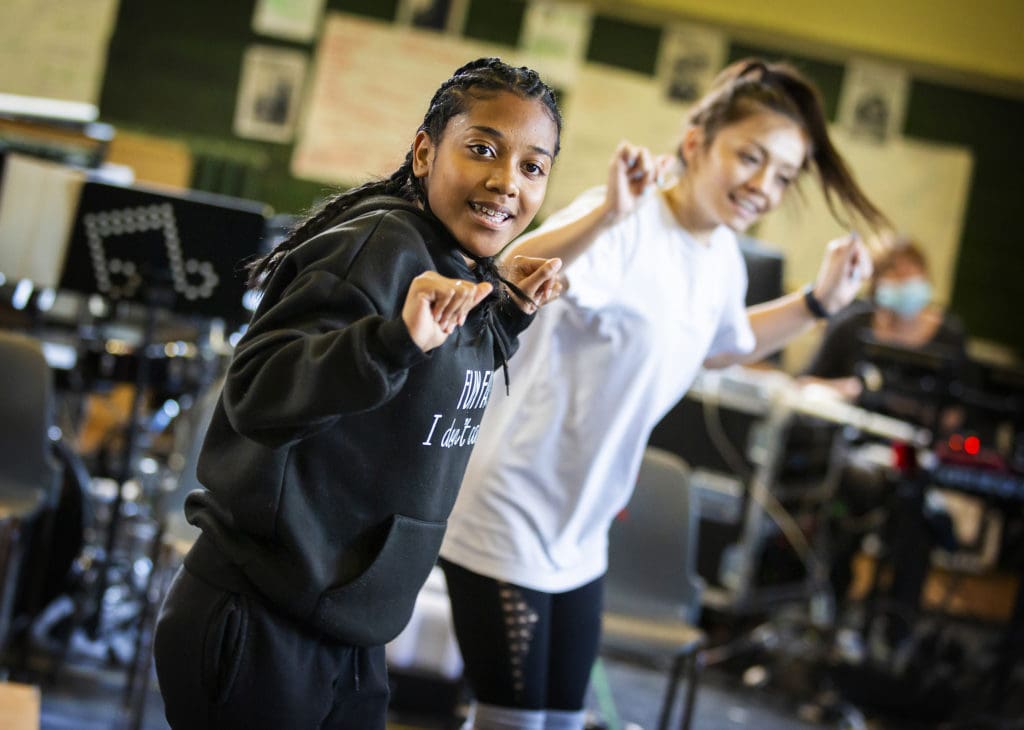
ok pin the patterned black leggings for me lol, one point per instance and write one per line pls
(524, 648)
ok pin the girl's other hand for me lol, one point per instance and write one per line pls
(435, 305)
(538, 278)
(846, 266)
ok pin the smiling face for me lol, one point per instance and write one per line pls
(743, 172)
(486, 178)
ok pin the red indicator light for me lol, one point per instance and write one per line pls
(956, 442)
(904, 457)
(972, 445)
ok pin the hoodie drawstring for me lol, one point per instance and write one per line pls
(487, 270)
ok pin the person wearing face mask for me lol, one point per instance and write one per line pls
(902, 314)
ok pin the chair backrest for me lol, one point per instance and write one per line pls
(29, 471)
(652, 545)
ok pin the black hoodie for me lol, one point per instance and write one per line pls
(337, 448)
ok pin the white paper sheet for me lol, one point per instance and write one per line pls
(372, 84)
(55, 49)
(38, 201)
(607, 106)
(554, 40)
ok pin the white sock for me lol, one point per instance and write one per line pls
(493, 717)
(564, 719)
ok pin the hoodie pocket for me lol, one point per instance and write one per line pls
(372, 609)
(223, 645)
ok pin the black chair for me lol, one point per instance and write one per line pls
(652, 590)
(30, 474)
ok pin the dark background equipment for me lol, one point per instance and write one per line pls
(179, 253)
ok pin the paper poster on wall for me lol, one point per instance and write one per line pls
(689, 58)
(608, 105)
(873, 99)
(922, 187)
(294, 20)
(554, 39)
(56, 49)
(37, 210)
(269, 93)
(448, 16)
(371, 86)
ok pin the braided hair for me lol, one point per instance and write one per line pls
(451, 99)
(751, 85)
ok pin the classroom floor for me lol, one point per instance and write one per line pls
(87, 697)
(762, 691)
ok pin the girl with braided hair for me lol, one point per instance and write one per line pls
(656, 289)
(347, 417)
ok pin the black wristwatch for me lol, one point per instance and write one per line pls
(814, 305)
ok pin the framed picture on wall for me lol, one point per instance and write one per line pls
(873, 100)
(293, 20)
(446, 16)
(554, 40)
(689, 58)
(269, 93)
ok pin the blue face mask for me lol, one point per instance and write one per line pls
(906, 298)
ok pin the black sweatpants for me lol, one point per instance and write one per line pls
(225, 661)
(523, 648)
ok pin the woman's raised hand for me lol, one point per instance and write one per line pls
(846, 266)
(632, 169)
(435, 305)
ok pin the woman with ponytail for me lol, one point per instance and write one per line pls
(347, 417)
(656, 288)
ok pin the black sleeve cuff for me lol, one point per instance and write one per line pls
(397, 346)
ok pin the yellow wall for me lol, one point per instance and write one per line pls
(983, 37)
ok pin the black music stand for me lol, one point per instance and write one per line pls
(166, 252)
(130, 243)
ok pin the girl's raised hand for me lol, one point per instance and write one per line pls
(537, 278)
(435, 305)
(846, 266)
(631, 170)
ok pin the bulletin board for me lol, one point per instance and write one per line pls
(55, 50)
(368, 100)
